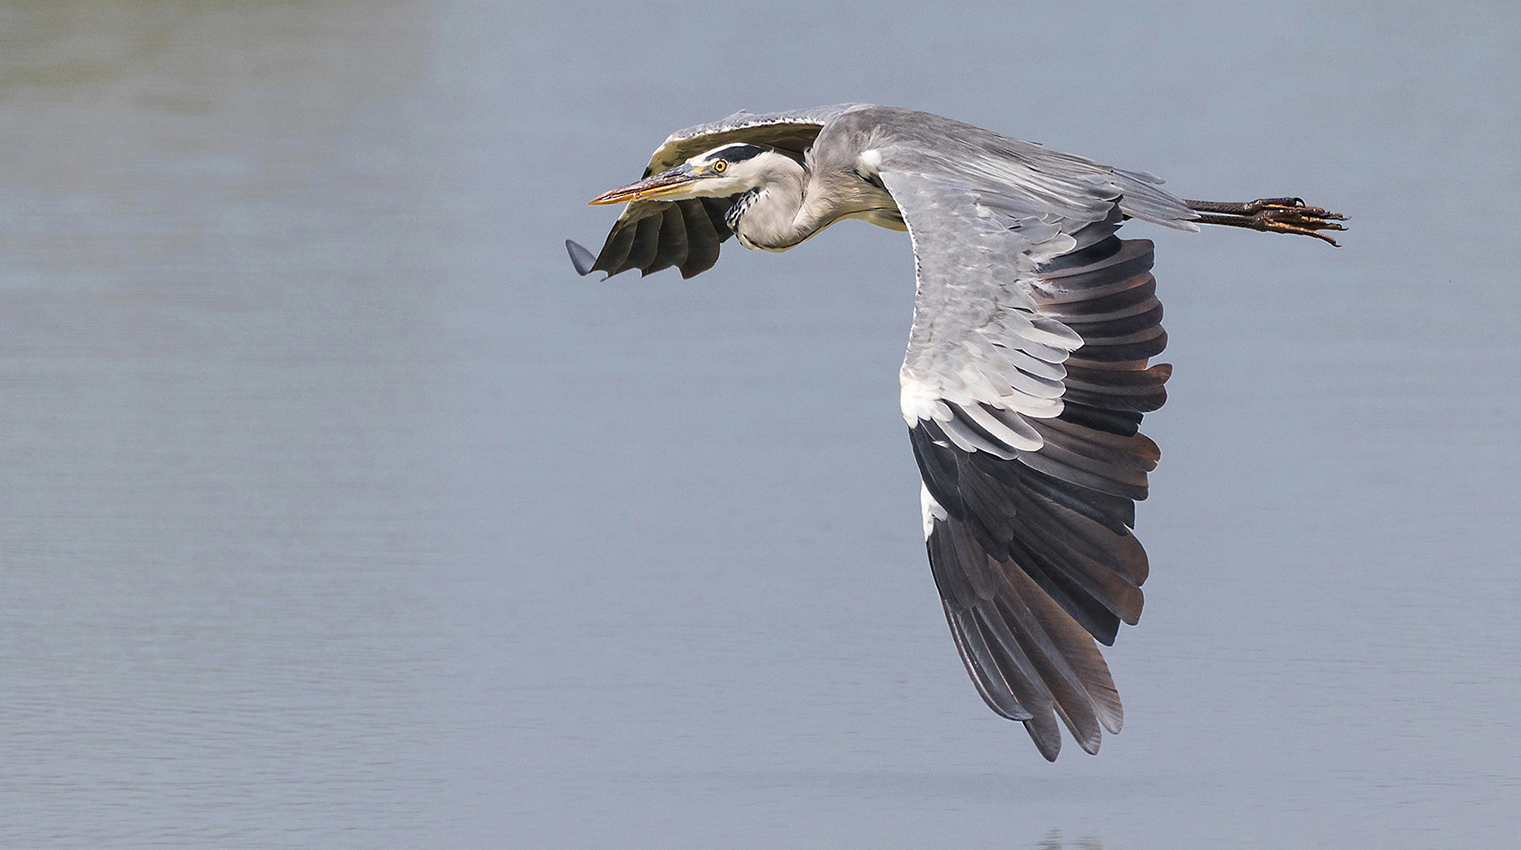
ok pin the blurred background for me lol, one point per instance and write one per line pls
(339, 512)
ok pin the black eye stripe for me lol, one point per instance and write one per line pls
(738, 152)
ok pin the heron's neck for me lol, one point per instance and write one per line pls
(778, 214)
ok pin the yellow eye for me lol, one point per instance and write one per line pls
(719, 166)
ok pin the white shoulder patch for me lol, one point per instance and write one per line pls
(931, 509)
(921, 401)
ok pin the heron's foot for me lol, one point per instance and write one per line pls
(1270, 215)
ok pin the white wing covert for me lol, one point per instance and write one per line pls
(1023, 387)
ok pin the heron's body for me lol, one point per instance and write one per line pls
(1026, 373)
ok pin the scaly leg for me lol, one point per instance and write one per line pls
(1270, 215)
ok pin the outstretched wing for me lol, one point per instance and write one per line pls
(654, 235)
(790, 133)
(1024, 384)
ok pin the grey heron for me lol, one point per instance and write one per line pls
(1026, 374)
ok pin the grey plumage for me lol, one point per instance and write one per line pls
(791, 133)
(1027, 370)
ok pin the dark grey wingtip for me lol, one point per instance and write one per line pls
(581, 258)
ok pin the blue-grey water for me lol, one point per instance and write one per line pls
(338, 512)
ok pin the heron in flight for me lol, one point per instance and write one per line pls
(1026, 375)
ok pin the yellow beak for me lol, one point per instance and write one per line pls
(661, 185)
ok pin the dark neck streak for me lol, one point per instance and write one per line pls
(776, 215)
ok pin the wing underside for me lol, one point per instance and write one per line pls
(655, 235)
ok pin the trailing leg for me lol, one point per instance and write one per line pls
(1270, 215)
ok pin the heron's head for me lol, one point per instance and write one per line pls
(718, 173)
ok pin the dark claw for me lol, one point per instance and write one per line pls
(1271, 215)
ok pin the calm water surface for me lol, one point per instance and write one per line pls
(339, 512)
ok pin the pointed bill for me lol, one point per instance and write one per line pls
(659, 186)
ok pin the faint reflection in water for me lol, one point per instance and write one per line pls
(1053, 841)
